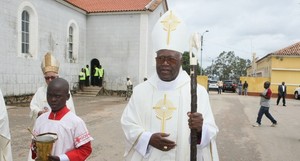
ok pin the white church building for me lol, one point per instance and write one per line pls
(115, 34)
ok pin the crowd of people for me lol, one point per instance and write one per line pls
(96, 79)
(242, 88)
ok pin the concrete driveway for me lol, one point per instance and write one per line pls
(239, 141)
(234, 114)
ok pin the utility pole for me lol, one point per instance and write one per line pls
(201, 51)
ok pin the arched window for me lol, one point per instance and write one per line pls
(72, 37)
(70, 49)
(27, 27)
(25, 33)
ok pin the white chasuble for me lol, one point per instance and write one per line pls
(164, 118)
(5, 138)
(152, 110)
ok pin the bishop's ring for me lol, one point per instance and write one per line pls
(165, 147)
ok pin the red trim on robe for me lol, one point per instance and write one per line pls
(80, 153)
(59, 114)
(53, 116)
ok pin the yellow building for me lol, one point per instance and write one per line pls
(277, 67)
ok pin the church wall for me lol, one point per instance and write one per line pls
(114, 41)
(22, 76)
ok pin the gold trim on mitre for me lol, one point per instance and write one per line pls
(50, 64)
(170, 33)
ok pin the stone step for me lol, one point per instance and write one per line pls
(88, 91)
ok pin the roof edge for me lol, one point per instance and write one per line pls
(70, 5)
(153, 4)
(117, 12)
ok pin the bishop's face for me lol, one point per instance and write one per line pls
(168, 63)
(49, 76)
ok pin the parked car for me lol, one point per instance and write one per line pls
(213, 85)
(229, 85)
(297, 93)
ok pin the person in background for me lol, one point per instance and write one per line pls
(96, 76)
(281, 93)
(129, 88)
(74, 139)
(87, 75)
(240, 85)
(265, 98)
(39, 104)
(101, 76)
(157, 119)
(82, 78)
(5, 138)
(220, 86)
(245, 88)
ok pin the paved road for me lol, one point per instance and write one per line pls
(237, 140)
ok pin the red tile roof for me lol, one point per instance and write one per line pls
(93, 6)
(290, 50)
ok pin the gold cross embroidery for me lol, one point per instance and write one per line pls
(164, 111)
(170, 23)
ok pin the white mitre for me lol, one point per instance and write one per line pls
(170, 33)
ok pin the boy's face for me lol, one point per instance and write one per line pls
(57, 97)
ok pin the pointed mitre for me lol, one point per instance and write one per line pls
(50, 64)
(170, 33)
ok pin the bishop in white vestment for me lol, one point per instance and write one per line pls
(157, 119)
(5, 139)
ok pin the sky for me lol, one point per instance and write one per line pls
(242, 26)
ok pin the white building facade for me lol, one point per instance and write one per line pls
(119, 41)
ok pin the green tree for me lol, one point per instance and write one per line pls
(227, 66)
(186, 63)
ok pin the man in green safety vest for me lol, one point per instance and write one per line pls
(87, 76)
(96, 76)
(101, 75)
(81, 79)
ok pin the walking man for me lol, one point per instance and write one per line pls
(265, 97)
(281, 93)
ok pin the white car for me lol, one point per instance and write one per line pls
(213, 85)
(297, 93)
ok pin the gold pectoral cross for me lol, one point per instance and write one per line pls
(164, 111)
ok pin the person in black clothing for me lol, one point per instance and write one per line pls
(281, 93)
(245, 88)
